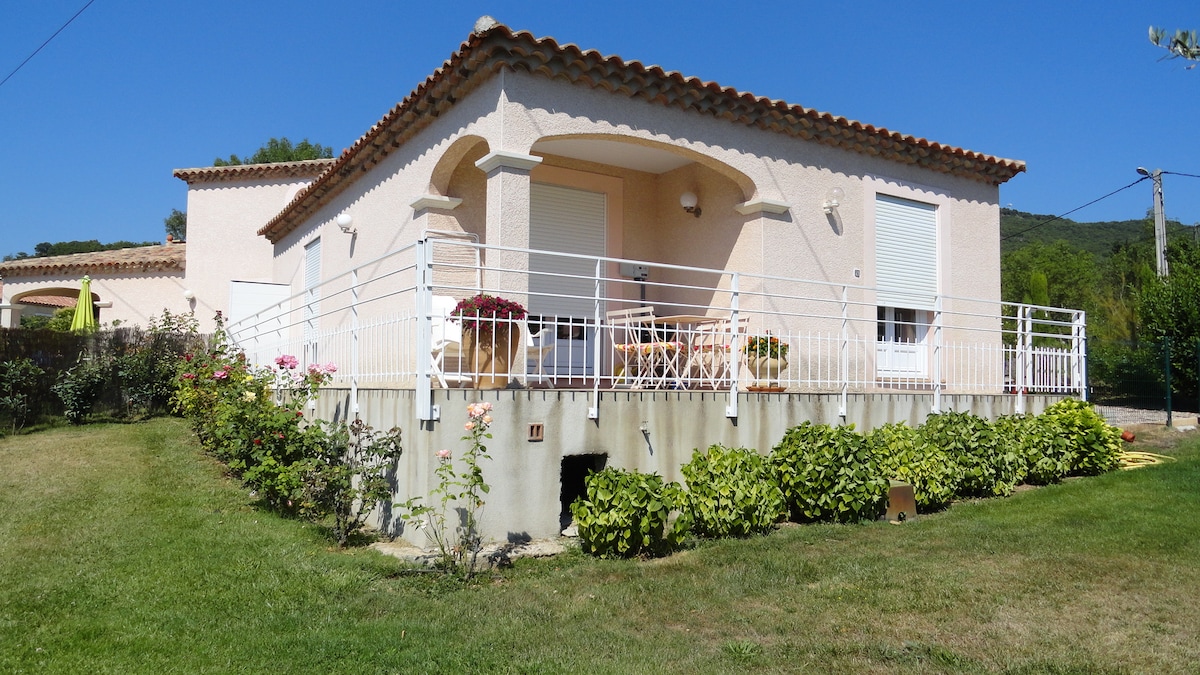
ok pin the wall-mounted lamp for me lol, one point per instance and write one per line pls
(833, 199)
(189, 295)
(346, 222)
(690, 203)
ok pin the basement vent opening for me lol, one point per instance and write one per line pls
(575, 469)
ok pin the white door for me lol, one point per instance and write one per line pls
(901, 347)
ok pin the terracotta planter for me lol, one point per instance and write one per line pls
(766, 369)
(490, 358)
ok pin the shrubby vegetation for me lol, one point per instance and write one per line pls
(252, 419)
(820, 473)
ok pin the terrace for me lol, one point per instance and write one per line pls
(599, 325)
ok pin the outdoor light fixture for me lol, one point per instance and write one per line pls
(346, 223)
(833, 199)
(189, 295)
(690, 203)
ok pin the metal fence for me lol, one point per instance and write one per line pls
(607, 323)
(1147, 382)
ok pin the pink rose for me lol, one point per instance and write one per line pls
(220, 374)
(443, 454)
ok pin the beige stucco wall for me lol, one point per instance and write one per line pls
(223, 218)
(136, 297)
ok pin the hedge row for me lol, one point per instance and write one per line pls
(819, 473)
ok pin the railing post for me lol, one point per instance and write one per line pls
(426, 410)
(354, 342)
(844, 354)
(1079, 353)
(937, 354)
(597, 366)
(735, 348)
(1022, 364)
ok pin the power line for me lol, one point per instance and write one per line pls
(35, 52)
(1060, 217)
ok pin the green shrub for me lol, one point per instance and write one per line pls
(987, 468)
(828, 473)
(626, 514)
(731, 493)
(79, 388)
(1044, 455)
(904, 456)
(18, 381)
(1094, 445)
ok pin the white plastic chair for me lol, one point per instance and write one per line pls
(446, 343)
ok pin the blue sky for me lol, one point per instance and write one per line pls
(95, 123)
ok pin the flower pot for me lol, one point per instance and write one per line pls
(491, 355)
(766, 369)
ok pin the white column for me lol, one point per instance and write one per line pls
(507, 222)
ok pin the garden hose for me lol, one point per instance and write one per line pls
(1135, 460)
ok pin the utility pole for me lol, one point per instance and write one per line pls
(1160, 221)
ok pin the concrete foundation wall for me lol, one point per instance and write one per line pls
(525, 476)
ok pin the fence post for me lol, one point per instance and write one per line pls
(844, 355)
(735, 348)
(354, 365)
(1079, 353)
(426, 410)
(1167, 371)
(597, 366)
(1022, 360)
(937, 354)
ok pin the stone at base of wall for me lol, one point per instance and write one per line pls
(507, 551)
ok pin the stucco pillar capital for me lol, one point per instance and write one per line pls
(505, 159)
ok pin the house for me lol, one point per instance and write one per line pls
(585, 186)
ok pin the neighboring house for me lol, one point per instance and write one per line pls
(230, 266)
(129, 285)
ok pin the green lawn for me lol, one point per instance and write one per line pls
(124, 550)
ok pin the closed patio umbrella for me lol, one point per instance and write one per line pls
(84, 320)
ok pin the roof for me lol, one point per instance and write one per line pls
(493, 47)
(308, 168)
(167, 257)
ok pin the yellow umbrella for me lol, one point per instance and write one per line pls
(84, 320)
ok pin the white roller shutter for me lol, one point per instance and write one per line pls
(312, 297)
(570, 221)
(906, 271)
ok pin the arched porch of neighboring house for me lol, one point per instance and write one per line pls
(43, 301)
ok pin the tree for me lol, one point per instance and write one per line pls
(280, 150)
(176, 225)
(46, 248)
(1181, 44)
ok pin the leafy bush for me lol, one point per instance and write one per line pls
(1093, 445)
(904, 456)
(79, 388)
(626, 514)
(828, 473)
(1044, 455)
(347, 479)
(731, 493)
(18, 381)
(987, 467)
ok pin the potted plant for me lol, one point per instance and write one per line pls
(766, 355)
(490, 337)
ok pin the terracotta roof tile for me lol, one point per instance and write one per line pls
(168, 257)
(486, 52)
(308, 168)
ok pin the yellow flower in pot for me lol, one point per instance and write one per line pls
(766, 356)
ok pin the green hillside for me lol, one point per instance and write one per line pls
(1018, 228)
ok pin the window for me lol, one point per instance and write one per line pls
(900, 348)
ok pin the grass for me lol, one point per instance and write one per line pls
(124, 550)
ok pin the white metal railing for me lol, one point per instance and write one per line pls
(385, 324)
